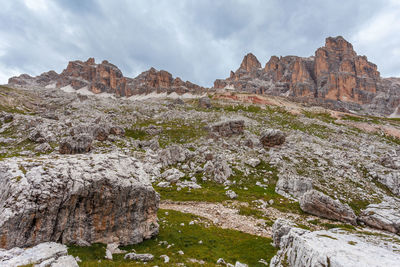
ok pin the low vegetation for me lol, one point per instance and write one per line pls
(198, 241)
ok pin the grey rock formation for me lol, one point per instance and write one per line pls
(44, 254)
(383, 216)
(227, 128)
(77, 144)
(96, 198)
(205, 102)
(280, 228)
(321, 205)
(293, 186)
(335, 248)
(231, 194)
(139, 257)
(173, 154)
(217, 170)
(272, 137)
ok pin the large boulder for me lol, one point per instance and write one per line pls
(76, 199)
(383, 216)
(293, 186)
(76, 144)
(336, 248)
(321, 205)
(272, 137)
(205, 102)
(217, 169)
(280, 228)
(227, 128)
(45, 254)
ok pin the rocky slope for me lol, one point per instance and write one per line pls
(69, 158)
(107, 78)
(335, 77)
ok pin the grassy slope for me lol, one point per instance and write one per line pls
(217, 243)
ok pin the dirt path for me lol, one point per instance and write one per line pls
(221, 216)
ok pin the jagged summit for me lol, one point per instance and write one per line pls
(334, 74)
(107, 78)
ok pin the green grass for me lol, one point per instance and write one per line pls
(173, 132)
(217, 243)
(245, 188)
(323, 116)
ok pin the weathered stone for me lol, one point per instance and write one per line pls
(231, 194)
(321, 205)
(218, 170)
(96, 198)
(76, 144)
(139, 257)
(280, 228)
(37, 136)
(335, 248)
(272, 137)
(228, 128)
(173, 154)
(205, 102)
(293, 186)
(383, 216)
(116, 130)
(44, 254)
(43, 148)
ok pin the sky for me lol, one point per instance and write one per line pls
(197, 40)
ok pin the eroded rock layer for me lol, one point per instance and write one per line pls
(76, 199)
(108, 78)
(334, 74)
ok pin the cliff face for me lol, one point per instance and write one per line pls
(108, 78)
(334, 73)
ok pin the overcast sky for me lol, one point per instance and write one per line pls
(197, 40)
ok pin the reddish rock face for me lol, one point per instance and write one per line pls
(335, 73)
(250, 63)
(106, 77)
(99, 78)
(341, 74)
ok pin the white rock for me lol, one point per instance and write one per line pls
(336, 248)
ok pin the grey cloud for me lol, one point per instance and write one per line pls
(196, 40)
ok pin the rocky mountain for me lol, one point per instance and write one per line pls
(108, 78)
(335, 76)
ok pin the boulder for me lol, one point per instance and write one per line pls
(335, 248)
(99, 132)
(37, 136)
(173, 154)
(293, 186)
(321, 205)
(227, 128)
(44, 254)
(272, 137)
(116, 130)
(205, 102)
(231, 194)
(139, 257)
(97, 198)
(280, 228)
(217, 170)
(383, 216)
(76, 144)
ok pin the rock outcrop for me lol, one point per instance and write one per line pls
(102, 198)
(333, 76)
(335, 248)
(45, 254)
(271, 137)
(383, 216)
(321, 205)
(108, 78)
(227, 128)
